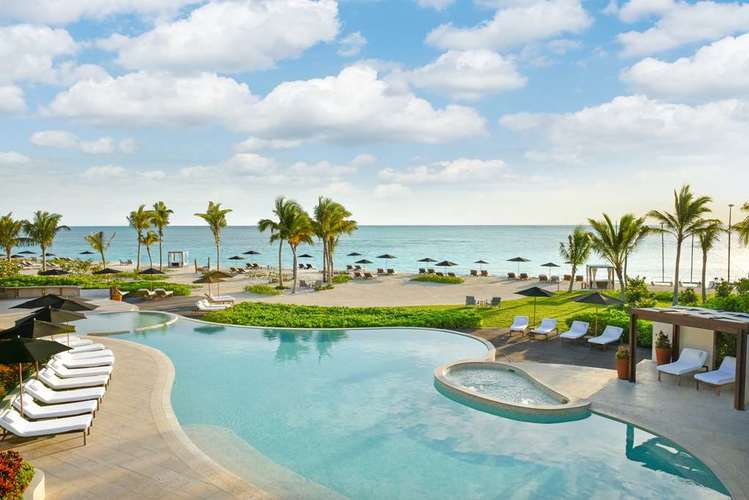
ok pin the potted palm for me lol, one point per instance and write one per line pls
(662, 349)
(622, 362)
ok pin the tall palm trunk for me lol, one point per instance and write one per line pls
(325, 259)
(280, 269)
(572, 279)
(704, 275)
(676, 272)
(218, 256)
(150, 261)
(294, 260)
(44, 257)
(161, 255)
(137, 258)
(103, 260)
(622, 283)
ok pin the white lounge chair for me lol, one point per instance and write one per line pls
(578, 330)
(204, 305)
(52, 381)
(63, 371)
(86, 348)
(724, 375)
(73, 354)
(519, 324)
(610, 335)
(42, 393)
(13, 422)
(219, 299)
(72, 362)
(690, 360)
(33, 410)
(547, 328)
(74, 341)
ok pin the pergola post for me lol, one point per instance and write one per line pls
(740, 388)
(675, 330)
(632, 347)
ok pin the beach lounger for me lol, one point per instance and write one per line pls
(301, 266)
(380, 271)
(484, 274)
(391, 271)
(543, 277)
(357, 275)
(357, 268)
(52, 381)
(82, 360)
(74, 341)
(511, 276)
(523, 276)
(430, 271)
(13, 422)
(724, 375)
(204, 305)
(349, 267)
(578, 330)
(219, 299)
(555, 278)
(519, 324)
(143, 293)
(439, 274)
(42, 393)
(452, 275)
(610, 335)
(87, 348)
(309, 267)
(368, 276)
(495, 302)
(470, 300)
(567, 277)
(126, 262)
(35, 411)
(474, 273)
(690, 360)
(162, 294)
(63, 371)
(547, 328)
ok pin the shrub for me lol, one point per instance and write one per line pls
(616, 317)
(723, 289)
(292, 316)
(9, 377)
(688, 297)
(663, 296)
(433, 278)
(324, 286)
(662, 341)
(737, 302)
(341, 278)
(178, 289)
(622, 352)
(88, 281)
(15, 475)
(637, 294)
(742, 286)
(9, 268)
(262, 290)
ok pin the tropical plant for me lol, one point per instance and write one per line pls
(708, 236)
(279, 229)
(140, 220)
(576, 251)
(11, 234)
(147, 240)
(42, 231)
(685, 221)
(742, 228)
(638, 294)
(614, 242)
(299, 229)
(215, 216)
(160, 221)
(331, 222)
(99, 243)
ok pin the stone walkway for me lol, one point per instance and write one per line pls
(136, 448)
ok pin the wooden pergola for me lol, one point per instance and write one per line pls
(706, 319)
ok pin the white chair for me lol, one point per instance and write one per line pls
(690, 360)
(547, 328)
(63, 371)
(73, 354)
(72, 362)
(73, 342)
(578, 330)
(32, 410)
(519, 324)
(610, 335)
(42, 393)
(724, 375)
(204, 305)
(87, 348)
(13, 422)
(52, 381)
(219, 299)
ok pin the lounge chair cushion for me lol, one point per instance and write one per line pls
(690, 360)
(15, 423)
(54, 382)
(519, 323)
(35, 411)
(42, 393)
(578, 329)
(610, 335)
(725, 374)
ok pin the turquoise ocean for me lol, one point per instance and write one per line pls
(461, 244)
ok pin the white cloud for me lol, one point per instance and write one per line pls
(357, 106)
(105, 172)
(254, 144)
(13, 158)
(515, 25)
(68, 11)
(364, 159)
(447, 172)
(232, 36)
(467, 74)
(391, 190)
(679, 23)
(68, 73)
(128, 146)
(63, 139)
(435, 4)
(27, 52)
(11, 99)
(351, 45)
(715, 71)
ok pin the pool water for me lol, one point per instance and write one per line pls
(125, 321)
(356, 413)
(501, 384)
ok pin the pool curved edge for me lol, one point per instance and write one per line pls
(567, 409)
(169, 319)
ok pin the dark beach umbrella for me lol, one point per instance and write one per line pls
(17, 256)
(209, 279)
(27, 252)
(48, 254)
(52, 315)
(251, 252)
(218, 274)
(549, 266)
(86, 252)
(57, 302)
(445, 263)
(481, 263)
(52, 272)
(20, 350)
(363, 261)
(30, 328)
(354, 254)
(519, 261)
(152, 271)
(305, 256)
(236, 257)
(535, 292)
(598, 300)
(108, 271)
(386, 256)
(427, 259)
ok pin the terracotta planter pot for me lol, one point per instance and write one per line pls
(622, 368)
(662, 355)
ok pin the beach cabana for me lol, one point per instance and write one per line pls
(176, 258)
(697, 328)
(597, 283)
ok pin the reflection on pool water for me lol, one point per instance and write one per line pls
(120, 322)
(356, 413)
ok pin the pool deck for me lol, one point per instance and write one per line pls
(136, 448)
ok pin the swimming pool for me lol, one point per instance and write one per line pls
(121, 322)
(325, 413)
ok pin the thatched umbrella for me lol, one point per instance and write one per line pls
(209, 279)
(107, 270)
(597, 299)
(535, 292)
(57, 302)
(151, 271)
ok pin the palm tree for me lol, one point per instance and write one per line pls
(743, 227)
(614, 241)
(160, 220)
(215, 216)
(708, 236)
(149, 239)
(140, 220)
(299, 230)
(685, 221)
(331, 222)
(576, 251)
(10, 234)
(279, 228)
(42, 231)
(99, 243)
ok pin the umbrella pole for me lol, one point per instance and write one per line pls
(534, 310)
(20, 385)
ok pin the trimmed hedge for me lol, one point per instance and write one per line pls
(95, 282)
(131, 286)
(262, 290)
(433, 278)
(292, 316)
(616, 317)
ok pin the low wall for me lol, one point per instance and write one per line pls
(31, 292)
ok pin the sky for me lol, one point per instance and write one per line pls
(406, 111)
